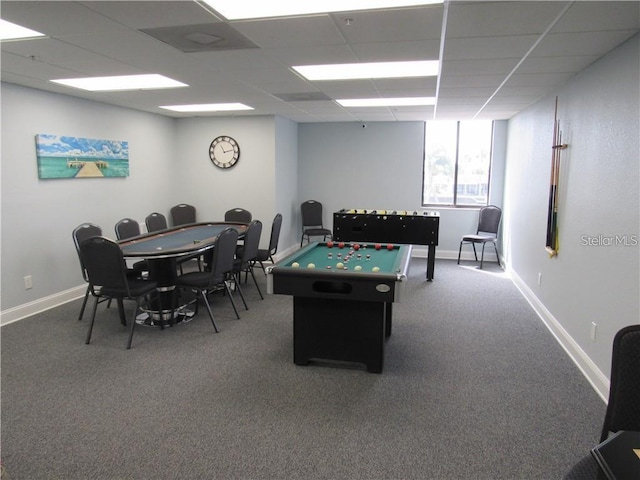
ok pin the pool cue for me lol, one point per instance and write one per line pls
(552, 222)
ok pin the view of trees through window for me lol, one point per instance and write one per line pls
(457, 163)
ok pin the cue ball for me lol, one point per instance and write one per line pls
(375, 269)
(378, 246)
(295, 264)
(390, 247)
(311, 265)
(358, 268)
(340, 265)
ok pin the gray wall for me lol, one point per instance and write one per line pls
(39, 215)
(599, 115)
(380, 166)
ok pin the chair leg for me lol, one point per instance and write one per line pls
(84, 302)
(497, 254)
(256, 282)
(474, 251)
(482, 257)
(133, 321)
(132, 327)
(233, 303)
(93, 318)
(206, 303)
(123, 318)
(459, 252)
(240, 291)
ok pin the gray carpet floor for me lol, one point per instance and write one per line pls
(474, 387)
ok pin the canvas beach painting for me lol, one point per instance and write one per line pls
(62, 156)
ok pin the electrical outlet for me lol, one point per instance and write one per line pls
(594, 327)
(539, 278)
(28, 284)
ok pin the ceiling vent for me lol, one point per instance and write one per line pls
(208, 37)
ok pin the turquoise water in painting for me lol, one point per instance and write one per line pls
(56, 167)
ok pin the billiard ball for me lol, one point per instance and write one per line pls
(329, 244)
(356, 247)
(295, 264)
(341, 245)
(390, 247)
(378, 246)
(375, 269)
(358, 268)
(339, 265)
(311, 265)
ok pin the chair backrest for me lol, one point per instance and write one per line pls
(489, 219)
(80, 234)
(311, 211)
(276, 226)
(183, 214)
(127, 228)
(623, 408)
(105, 263)
(239, 215)
(251, 243)
(156, 221)
(223, 254)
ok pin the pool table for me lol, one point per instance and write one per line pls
(342, 314)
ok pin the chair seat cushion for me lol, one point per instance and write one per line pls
(317, 231)
(263, 255)
(199, 279)
(479, 238)
(136, 288)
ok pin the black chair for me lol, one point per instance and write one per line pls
(107, 272)
(183, 214)
(487, 232)
(266, 254)
(623, 408)
(81, 233)
(221, 268)
(249, 254)
(312, 225)
(128, 228)
(156, 221)
(239, 215)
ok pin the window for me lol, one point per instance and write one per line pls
(457, 163)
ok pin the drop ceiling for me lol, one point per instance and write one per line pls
(497, 57)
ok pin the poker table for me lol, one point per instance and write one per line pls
(162, 249)
(342, 310)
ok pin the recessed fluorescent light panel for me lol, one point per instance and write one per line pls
(354, 71)
(11, 31)
(122, 82)
(387, 102)
(235, 10)
(208, 107)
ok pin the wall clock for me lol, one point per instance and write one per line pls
(224, 152)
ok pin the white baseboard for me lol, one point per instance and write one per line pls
(40, 305)
(589, 369)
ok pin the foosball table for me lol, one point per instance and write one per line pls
(389, 226)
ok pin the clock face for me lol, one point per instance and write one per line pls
(224, 152)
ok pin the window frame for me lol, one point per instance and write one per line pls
(455, 204)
